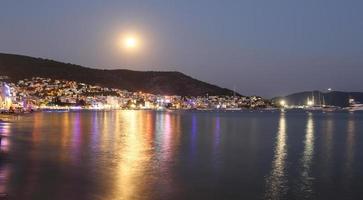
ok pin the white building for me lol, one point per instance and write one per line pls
(5, 96)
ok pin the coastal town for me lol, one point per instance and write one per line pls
(40, 93)
(45, 94)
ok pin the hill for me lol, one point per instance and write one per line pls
(336, 98)
(18, 67)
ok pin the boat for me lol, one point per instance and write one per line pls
(329, 108)
(233, 109)
(354, 106)
(320, 106)
(271, 109)
(311, 106)
(314, 108)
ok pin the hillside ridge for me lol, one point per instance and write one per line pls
(18, 67)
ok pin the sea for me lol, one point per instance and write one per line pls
(177, 155)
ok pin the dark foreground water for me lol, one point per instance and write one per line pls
(182, 155)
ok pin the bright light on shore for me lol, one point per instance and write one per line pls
(283, 103)
(310, 103)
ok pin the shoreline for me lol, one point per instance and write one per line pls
(257, 110)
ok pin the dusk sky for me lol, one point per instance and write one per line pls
(260, 47)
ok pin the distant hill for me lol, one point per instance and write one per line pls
(18, 67)
(335, 98)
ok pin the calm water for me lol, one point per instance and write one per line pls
(182, 155)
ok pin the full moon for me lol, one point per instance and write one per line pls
(130, 42)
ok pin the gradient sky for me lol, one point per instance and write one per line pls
(260, 47)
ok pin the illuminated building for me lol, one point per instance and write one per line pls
(5, 96)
